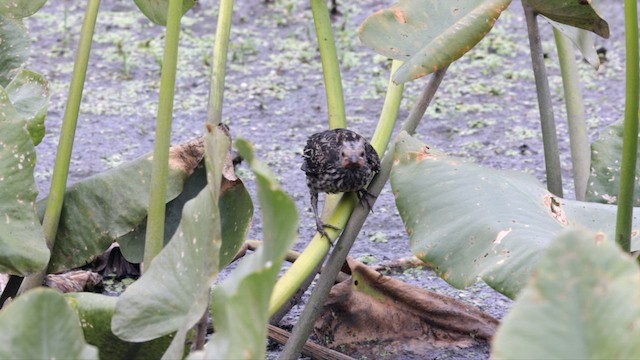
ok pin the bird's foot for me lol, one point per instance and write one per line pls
(320, 227)
(365, 198)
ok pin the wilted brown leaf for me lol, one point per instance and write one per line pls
(74, 281)
(372, 314)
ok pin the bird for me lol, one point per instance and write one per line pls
(336, 161)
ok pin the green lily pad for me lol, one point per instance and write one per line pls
(156, 10)
(14, 48)
(583, 302)
(17, 9)
(95, 312)
(577, 13)
(41, 325)
(429, 34)
(604, 180)
(175, 289)
(100, 209)
(23, 249)
(132, 243)
(236, 212)
(470, 222)
(29, 94)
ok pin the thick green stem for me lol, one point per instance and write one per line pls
(578, 137)
(390, 109)
(624, 218)
(330, 66)
(158, 196)
(318, 248)
(547, 122)
(67, 134)
(312, 310)
(219, 70)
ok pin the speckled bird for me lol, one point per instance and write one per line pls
(335, 161)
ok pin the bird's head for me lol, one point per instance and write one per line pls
(352, 155)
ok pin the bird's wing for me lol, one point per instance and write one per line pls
(372, 157)
(313, 156)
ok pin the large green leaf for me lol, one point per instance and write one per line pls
(17, 9)
(429, 34)
(468, 221)
(100, 209)
(132, 243)
(8, 112)
(14, 48)
(236, 212)
(29, 94)
(173, 293)
(241, 302)
(583, 302)
(578, 13)
(156, 10)
(41, 325)
(22, 246)
(95, 312)
(604, 180)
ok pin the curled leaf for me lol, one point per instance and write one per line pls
(578, 13)
(156, 10)
(429, 34)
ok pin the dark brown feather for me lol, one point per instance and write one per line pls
(338, 160)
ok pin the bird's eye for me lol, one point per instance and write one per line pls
(362, 153)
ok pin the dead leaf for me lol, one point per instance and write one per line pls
(187, 156)
(74, 281)
(372, 314)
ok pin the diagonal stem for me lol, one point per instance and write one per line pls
(318, 248)
(312, 309)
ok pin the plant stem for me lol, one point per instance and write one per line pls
(547, 122)
(303, 327)
(391, 106)
(67, 134)
(157, 199)
(624, 217)
(318, 248)
(578, 138)
(330, 66)
(219, 68)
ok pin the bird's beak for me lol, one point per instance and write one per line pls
(353, 162)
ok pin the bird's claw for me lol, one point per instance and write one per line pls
(364, 196)
(320, 227)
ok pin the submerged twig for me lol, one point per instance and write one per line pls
(309, 348)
